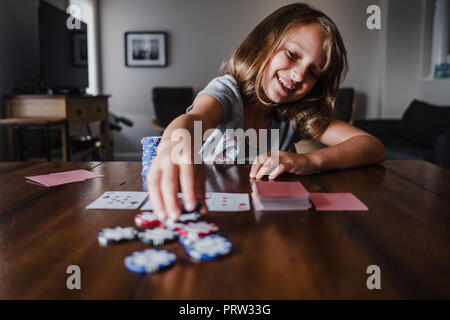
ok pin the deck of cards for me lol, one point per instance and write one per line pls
(280, 196)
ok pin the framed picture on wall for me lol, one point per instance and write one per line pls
(80, 55)
(145, 49)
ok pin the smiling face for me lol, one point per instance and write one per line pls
(294, 68)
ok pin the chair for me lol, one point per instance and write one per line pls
(344, 108)
(169, 103)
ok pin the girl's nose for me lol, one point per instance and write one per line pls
(298, 73)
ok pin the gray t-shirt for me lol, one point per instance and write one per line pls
(227, 143)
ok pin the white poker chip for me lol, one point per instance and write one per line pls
(149, 260)
(197, 229)
(182, 220)
(171, 224)
(189, 217)
(208, 247)
(147, 219)
(117, 234)
(157, 236)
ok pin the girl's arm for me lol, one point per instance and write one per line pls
(167, 174)
(348, 147)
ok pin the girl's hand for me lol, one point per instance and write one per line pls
(287, 162)
(165, 177)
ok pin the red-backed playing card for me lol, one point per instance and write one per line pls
(337, 202)
(280, 189)
(56, 179)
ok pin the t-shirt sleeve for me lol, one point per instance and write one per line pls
(225, 90)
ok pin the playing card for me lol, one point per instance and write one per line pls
(221, 201)
(337, 202)
(59, 178)
(118, 200)
(218, 201)
(280, 190)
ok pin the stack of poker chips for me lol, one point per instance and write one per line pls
(149, 145)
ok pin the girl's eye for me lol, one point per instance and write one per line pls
(292, 55)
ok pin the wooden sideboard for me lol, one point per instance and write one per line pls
(78, 110)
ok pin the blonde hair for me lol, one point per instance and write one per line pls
(310, 115)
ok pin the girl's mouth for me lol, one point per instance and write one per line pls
(284, 87)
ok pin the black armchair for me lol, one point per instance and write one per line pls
(169, 103)
(344, 106)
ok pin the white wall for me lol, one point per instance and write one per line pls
(407, 58)
(201, 34)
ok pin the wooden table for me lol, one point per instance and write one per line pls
(301, 255)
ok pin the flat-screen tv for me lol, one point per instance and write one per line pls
(63, 47)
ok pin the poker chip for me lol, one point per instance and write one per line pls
(182, 220)
(147, 219)
(189, 217)
(173, 225)
(149, 145)
(197, 229)
(115, 235)
(208, 247)
(154, 140)
(149, 260)
(157, 236)
(184, 240)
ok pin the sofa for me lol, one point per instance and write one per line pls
(422, 133)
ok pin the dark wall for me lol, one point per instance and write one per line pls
(19, 49)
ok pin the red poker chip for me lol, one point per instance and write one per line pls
(197, 229)
(147, 219)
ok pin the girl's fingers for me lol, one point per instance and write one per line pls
(277, 171)
(187, 182)
(154, 193)
(265, 168)
(169, 189)
(257, 164)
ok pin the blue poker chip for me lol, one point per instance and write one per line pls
(207, 247)
(184, 240)
(149, 147)
(150, 143)
(151, 139)
(149, 260)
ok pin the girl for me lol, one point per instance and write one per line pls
(285, 75)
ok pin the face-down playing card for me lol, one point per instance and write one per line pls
(337, 202)
(59, 178)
